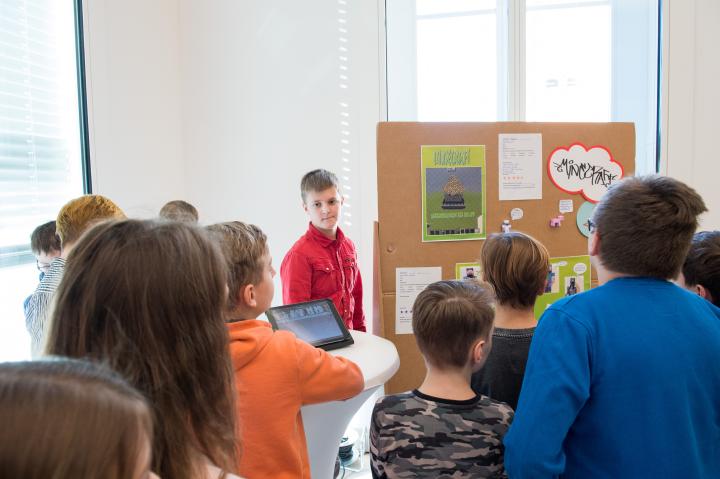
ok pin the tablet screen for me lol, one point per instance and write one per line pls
(312, 322)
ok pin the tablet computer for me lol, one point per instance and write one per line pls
(316, 322)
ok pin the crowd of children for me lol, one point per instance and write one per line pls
(156, 361)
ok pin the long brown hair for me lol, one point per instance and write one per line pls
(66, 419)
(148, 298)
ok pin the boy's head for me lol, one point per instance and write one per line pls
(452, 321)
(179, 210)
(643, 226)
(701, 271)
(250, 270)
(45, 245)
(322, 200)
(516, 267)
(80, 214)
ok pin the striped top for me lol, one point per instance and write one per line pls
(38, 308)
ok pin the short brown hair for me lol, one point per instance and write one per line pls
(516, 266)
(244, 246)
(317, 180)
(179, 210)
(448, 317)
(702, 265)
(645, 225)
(148, 298)
(66, 419)
(81, 213)
(43, 239)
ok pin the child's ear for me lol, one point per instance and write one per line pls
(479, 351)
(703, 292)
(247, 295)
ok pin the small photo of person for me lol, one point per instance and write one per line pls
(573, 285)
(469, 273)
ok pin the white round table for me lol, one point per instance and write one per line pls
(325, 423)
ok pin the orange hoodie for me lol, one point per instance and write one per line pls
(276, 374)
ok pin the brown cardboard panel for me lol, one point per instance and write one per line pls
(412, 368)
(377, 289)
(399, 189)
(400, 205)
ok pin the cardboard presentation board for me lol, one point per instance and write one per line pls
(399, 231)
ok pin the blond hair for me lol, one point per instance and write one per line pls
(79, 214)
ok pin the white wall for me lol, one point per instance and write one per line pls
(134, 103)
(691, 99)
(270, 91)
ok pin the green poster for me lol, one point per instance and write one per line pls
(453, 192)
(567, 276)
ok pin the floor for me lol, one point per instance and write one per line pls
(362, 473)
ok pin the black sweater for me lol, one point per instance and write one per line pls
(502, 375)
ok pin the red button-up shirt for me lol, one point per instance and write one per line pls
(317, 267)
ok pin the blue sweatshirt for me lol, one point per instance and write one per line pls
(622, 381)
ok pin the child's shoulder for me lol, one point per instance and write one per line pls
(492, 411)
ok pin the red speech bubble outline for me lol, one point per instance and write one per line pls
(581, 190)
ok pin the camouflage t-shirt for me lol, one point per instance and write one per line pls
(416, 435)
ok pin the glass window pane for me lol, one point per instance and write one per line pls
(457, 68)
(568, 63)
(442, 60)
(444, 7)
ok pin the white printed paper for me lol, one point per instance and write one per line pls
(520, 158)
(408, 284)
(566, 206)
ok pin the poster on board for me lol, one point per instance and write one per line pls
(577, 169)
(567, 275)
(453, 192)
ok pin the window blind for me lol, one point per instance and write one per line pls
(40, 142)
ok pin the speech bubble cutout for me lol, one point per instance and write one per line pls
(516, 213)
(586, 171)
(580, 268)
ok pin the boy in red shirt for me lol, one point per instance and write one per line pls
(275, 373)
(323, 262)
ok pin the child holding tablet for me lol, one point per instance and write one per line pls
(275, 373)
